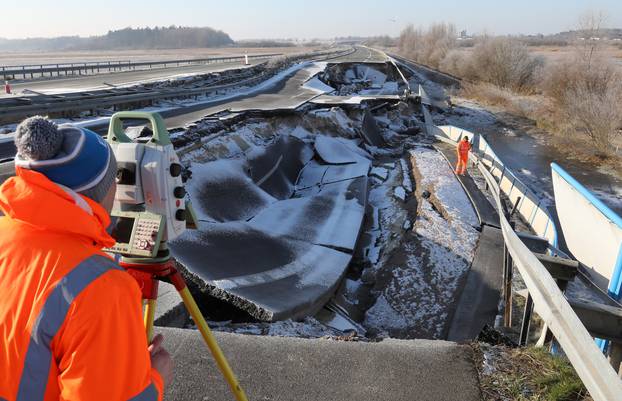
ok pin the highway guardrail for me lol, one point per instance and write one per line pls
(552, 306)
(50, 70)
(544, 294)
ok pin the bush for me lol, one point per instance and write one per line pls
(588, 94)
(455, 63)
(504, 62)
(429, 46)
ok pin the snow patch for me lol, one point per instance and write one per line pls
(406, 182)
(400, 193)
(379, 172)
(317, 86)
(383, 316)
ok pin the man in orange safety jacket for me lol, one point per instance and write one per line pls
(70, 319)
(463, 148)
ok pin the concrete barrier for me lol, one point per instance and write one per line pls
(593, 232)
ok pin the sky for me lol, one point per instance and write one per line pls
(276, 19)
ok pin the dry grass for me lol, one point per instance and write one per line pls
(578, 100)
(526, 374)
(533, 107)
(538, 115)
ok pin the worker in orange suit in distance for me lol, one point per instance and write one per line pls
(463, 148)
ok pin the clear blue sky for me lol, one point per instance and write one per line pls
(245, 19)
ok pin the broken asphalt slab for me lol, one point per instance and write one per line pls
(277, 228)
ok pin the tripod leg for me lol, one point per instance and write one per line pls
(198, 318)
(150, 308)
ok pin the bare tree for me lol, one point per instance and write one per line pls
(589, 35)
(505, 62)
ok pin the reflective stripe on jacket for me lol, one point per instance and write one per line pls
(70, 318)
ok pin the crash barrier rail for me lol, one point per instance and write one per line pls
(43, 70)
(544, 295)
(79, 101)
(440, 76)
(97, 66)
(524, 201)
(549, 302)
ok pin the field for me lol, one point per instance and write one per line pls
(555, 53)
(552, 53)
(137, 55)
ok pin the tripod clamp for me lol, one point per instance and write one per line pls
(148, 274)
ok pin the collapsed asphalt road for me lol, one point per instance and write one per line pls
(282, 205)
(277, 226)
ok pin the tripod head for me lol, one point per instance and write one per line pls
(150, 204)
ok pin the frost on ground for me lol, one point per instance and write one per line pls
(470, 116)
(418, 285)
(434, 174)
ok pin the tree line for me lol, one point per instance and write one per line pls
(128, 38)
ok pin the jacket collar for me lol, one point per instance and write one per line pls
(30, 197)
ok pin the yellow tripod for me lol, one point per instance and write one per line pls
(148, 272)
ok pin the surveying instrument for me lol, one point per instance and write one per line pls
(150, 209)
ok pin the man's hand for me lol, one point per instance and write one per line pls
(161, 360)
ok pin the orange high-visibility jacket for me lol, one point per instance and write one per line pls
(463, 149)
(70, 318)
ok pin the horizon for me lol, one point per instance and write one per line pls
(294, 20)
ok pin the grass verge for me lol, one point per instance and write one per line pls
(526, 374)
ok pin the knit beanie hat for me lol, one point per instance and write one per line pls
(76, 158)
